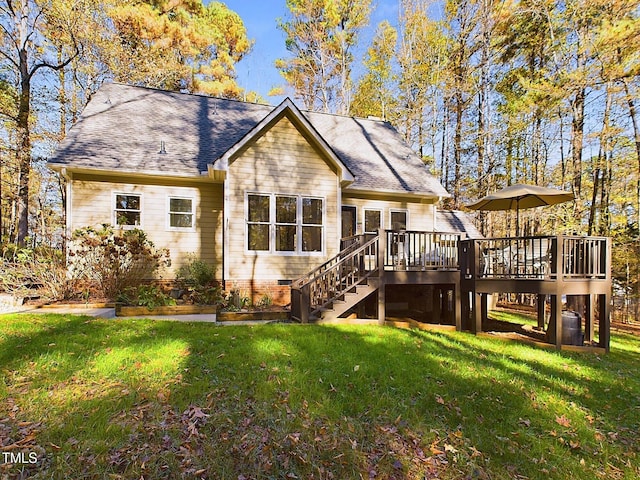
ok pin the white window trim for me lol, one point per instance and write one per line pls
(399, 210)
(246, 223)
(168, 226)
(114, 220)
(358, 224)
(272, 225)
(364, 218)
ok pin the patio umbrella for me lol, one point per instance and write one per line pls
(520, 196)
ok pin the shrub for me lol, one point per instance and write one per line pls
(196, 273)
(149, 296)
(199, 278)
(115, 260)
(41, 272)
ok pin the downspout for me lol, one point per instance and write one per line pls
(225, 221)
(68, 211)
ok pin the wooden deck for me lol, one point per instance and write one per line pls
(554, 268)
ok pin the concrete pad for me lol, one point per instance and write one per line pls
(110, 313)
(72, 310)
(205, 318)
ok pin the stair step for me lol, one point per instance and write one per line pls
(346, 301)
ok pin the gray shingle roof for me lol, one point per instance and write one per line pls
(457, 222)
(122, 128)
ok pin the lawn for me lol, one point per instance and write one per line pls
(87, 398)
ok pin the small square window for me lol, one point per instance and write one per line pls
(398, 220)
(181, 213)
(127, 210)
(372, 221)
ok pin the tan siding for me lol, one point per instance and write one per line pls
(92, 204)
(281, 161)
(420, 216)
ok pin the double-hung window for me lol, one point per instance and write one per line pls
(181, 216)
(284, 223)
(398, 219)
(372, 221)
(258, 222)
(312, 227)
(127, 211)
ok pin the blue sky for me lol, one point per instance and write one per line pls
(257, 72)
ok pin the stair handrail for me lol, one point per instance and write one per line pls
(306, 279)
(338, 289)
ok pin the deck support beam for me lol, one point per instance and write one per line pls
(457, 307)
(476, 312)
(541, 310)
(556, 319)
(588, 318)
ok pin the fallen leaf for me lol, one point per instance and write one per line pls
(524, 421)
(563, 421)
(450, 448)
(439, 399)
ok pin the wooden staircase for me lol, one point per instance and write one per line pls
(339, 284)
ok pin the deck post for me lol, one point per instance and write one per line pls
(556, 313)
(541, 299)
(484, 308)
(588, 318)
(457, 306)
(604, 320)
(305, 296)
(382, 253)
(476, 311)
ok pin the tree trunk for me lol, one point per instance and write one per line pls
(577, 139)
(636, 135)
(23, 152)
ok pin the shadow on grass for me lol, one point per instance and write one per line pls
(165, 399)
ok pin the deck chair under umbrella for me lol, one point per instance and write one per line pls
(518, 196)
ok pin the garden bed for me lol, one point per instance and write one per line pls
(253, 315)
(135, 311)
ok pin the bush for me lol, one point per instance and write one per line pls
(149, 296)
(196, 273)
(43, 272)
(199, 278)
(115, 260)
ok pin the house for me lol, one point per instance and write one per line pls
(263, 193)
(331, 214)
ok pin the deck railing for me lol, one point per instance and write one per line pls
(350, 268)
(412, 250)
(539, 257)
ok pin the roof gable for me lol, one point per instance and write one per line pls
(286, 109)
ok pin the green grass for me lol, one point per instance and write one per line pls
(143, 399)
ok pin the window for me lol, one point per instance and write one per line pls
(398, 219)
(258, 222)
(312, 224)
(127, 211)
(372, 221)
(285, 223)
(181, 214)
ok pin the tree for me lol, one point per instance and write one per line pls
(173, 44)
(422, 57)
(25, 52)
(321, 35)
(463, 21)
(374, 92)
